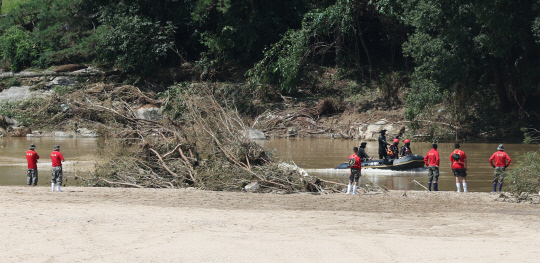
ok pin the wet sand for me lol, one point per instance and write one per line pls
(188, 225)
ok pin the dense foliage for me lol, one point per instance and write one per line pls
(469, 66)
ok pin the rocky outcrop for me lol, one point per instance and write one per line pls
(21, 93)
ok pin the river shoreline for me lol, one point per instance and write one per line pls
(85, 224)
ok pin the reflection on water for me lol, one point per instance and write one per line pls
(320, 156)
(79, 154)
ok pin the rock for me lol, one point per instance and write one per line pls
(255, 134)
(21, 93)
(292, 168)
(64, 107)
(149, 112)
(12, 122)
(84, 132)
(20, 131)
(252, 187)
(371, 132)
(62, 134)
(3, 121)
(62, 81)
(291, 131)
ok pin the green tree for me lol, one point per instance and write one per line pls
(17, 47)
(132, 42)
(482, 54)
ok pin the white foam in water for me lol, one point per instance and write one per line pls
(345, 172)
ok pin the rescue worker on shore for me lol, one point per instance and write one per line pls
(502, 161)
(362, 152)
(405, 149)
(32, 172)
(383, 145)
(355, 164)
(57, 158)
(393, 150)
(459, 167)
(432, 162)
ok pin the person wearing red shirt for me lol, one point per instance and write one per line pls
(459, 167)
(502, 160)
(355, 163)
(57, 159)
(32, 172)
(432, 162)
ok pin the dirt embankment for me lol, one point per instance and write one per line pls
(188, 225)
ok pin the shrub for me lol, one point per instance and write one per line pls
(525, 176)
(17, 48)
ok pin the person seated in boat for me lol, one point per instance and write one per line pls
(362, 152)
(393, 150)
(405, 149)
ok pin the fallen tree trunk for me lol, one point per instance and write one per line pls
(7, 75)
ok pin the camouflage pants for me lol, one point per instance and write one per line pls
(498, 174)
(57, 175)
(31, 177)
(433, 172)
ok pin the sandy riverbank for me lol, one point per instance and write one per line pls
(188, 225)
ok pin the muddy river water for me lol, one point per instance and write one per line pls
(318, 156)
(79, 155)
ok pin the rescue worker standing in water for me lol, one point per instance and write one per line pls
(383, 145)
(502, 161)
(405, 149)
(394, 150)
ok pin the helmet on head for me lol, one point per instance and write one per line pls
(396, 140)
(407, 141)
(32, 146)
(501, 147)
(56, 147)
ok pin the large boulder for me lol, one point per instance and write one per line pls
(84, 132)
(371, 132)
(21, 93)
(62, 81)
(255, 134)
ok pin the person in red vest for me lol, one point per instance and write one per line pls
(57, 159)
(393, 150)
(32, 172)
(432, 162)
(355, 163)
(459, 167)
(502, 161)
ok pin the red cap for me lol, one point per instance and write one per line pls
(396, 140)
(406, 141)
